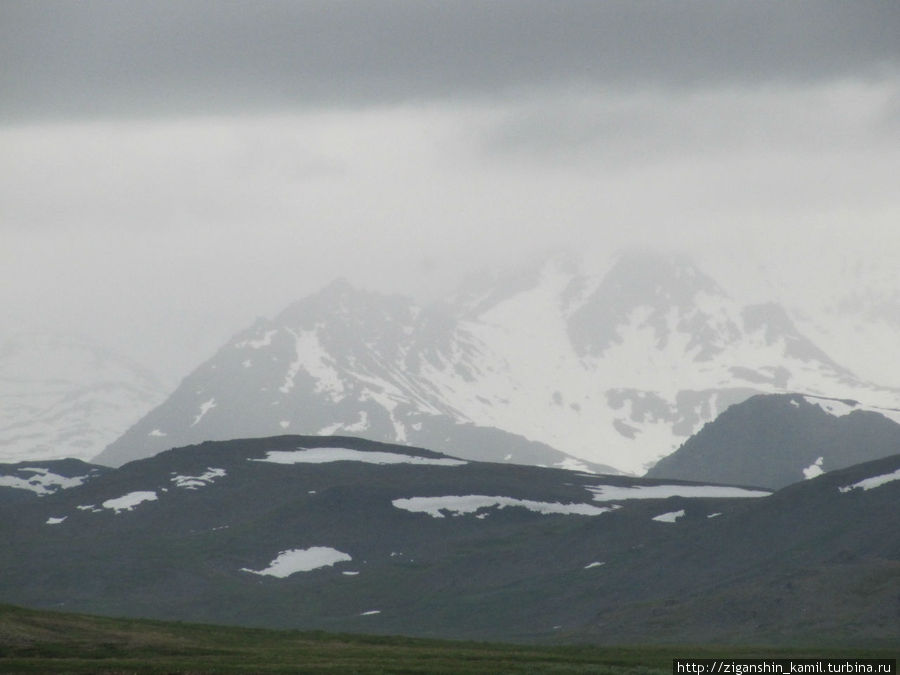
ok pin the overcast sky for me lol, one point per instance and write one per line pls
(171, 170)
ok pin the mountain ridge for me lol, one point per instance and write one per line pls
(774, 440)
(353, 535)
(610, 371)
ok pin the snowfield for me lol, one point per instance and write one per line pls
(610, 493)
(129, 501)
(461, 505)
(301, 560)
(325, 455)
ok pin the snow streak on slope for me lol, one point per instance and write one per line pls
(873, 482)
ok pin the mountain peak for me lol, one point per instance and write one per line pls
(343, 302)
(650, 276)
(649, 284)
(482, 292)
(774, 440)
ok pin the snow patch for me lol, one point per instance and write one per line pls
(609, 493)
(593, 564)
(195, 482)
(371, 612)
(814, 469)
(873, 482)
(129, 501)
(205, 407)
(284, 424)
(572, 464)
(264, 341)
(461, 505)
(350, 573)
(325, 455)
(43, 482)
(157, 432)
(832, 407)
(55, 521)
(301, 560)
(669, 517)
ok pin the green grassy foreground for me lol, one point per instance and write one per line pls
(39, 641)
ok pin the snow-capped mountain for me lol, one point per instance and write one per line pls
(66, 397)
(341, 361)
(615, 369)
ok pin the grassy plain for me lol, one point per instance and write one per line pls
(39, 641)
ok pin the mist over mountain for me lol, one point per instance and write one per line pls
(684, 431)
(550, 365)
(861, 325)
(62, 396)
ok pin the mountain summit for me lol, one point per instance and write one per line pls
(551, 365)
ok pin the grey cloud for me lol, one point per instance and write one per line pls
(129, 57)
(645, 126)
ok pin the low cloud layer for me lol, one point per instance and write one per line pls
(171, 170)
(100, 59)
